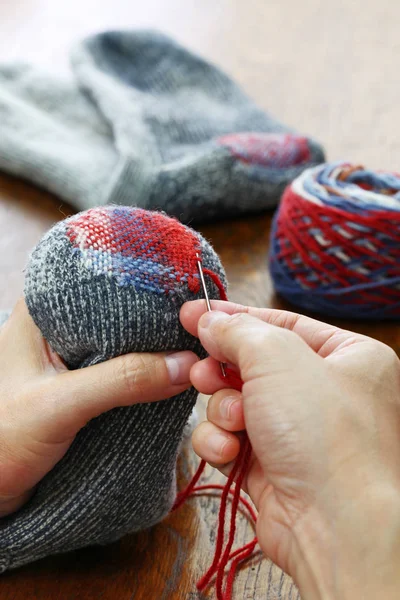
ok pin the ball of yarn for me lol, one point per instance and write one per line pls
(335, 243)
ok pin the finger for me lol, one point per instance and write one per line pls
(225, 409)
(255, 347)
(206, 376)
(215, 445)
(321, 337)
(254, 482)
(28, 353)
(80, 395)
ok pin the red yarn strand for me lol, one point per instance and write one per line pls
(233, 379)
(243, 549)
(241, 555)
(213, 486)
(217, 282)
(235, 479)
(187, 492)
(204, 581)
(243, 460)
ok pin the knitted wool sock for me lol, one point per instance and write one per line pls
(103, 283)
(147, 123)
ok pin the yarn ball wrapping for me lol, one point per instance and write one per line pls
(335, 242)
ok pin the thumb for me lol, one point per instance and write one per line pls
(254, 346)
(75, 397)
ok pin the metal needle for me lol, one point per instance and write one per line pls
(207, 299)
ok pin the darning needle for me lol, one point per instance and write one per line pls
(207, 299)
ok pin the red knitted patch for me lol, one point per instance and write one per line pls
(146, 249)
(274, 150)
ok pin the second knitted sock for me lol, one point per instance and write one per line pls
(147, 123)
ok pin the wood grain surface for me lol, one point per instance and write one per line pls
(325, 68)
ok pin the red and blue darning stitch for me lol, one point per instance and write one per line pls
(271, 150)
(149, 251)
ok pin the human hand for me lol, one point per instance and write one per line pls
(321, 409)
(44, 405)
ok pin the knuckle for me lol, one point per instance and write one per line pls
(269, 336)
(285, 320)
(238, 309)
(391, 357)
(267, 345)
(135, 374)
(389, 360)
(241, 327)
(239, 319)
(380, 370)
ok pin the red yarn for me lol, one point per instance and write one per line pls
(190, 489)
(276, 150)
(244, 459)
(241, 555)
(217, 282)
(234, 379)
(215, 486)
(215, 565)
(223, 555)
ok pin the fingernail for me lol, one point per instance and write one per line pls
(217, 442)
(225, 408)
(211, 317)
(179, 365)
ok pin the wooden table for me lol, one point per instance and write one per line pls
(324, 70)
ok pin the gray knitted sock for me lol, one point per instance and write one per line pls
(152, 125)
(103, 283)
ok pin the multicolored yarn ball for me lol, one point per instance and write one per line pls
(335, 244)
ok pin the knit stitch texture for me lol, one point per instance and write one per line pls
(145, 122)
(99, 284)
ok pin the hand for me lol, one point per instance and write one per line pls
(43, 405)
(321, 409)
